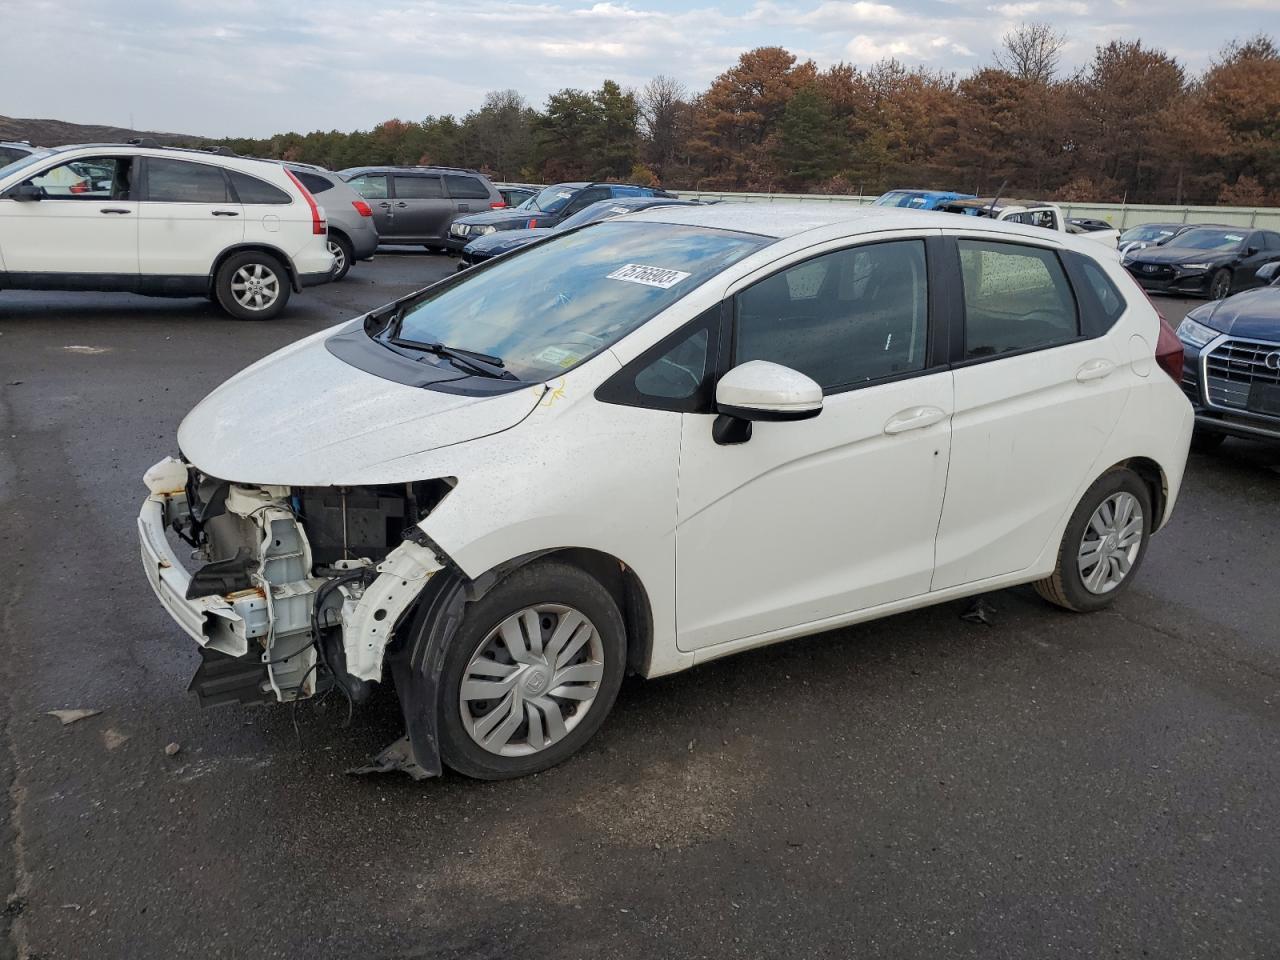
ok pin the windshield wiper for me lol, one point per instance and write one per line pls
(482, 363)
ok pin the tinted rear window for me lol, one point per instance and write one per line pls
(252, 190)
(314, 182)
(465, 188)
(178, 181)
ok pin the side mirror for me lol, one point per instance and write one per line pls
(1250, 251)
(1269, 272)
(27, 192)
(760, 390)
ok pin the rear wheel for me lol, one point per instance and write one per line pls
(531, 672)
(1104, 544)
(1220, 285)
(343, 254)
(251, 286)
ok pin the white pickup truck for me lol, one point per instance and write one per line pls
(1037, 213)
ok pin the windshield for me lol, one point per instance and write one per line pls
(1209, 240)
(894, 198)
(1146, 234)
(24, 162)
(548, 307)
(552, 199)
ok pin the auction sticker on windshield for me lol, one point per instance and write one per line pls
(649, 276)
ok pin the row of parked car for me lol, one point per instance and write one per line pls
(245, 232)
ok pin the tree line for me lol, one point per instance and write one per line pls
(1131, 125)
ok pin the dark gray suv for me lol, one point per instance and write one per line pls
(417, 204)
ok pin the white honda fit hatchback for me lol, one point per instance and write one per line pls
(655, 441)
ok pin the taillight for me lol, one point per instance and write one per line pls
(531, 224)
(496, 205)
(318, 226)
(1169, 351)
(362, 208)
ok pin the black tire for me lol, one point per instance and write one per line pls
(1065, 587)
(249, 260)
(1220, 285)
(537, 583)
(343, 254)
(1206, 441)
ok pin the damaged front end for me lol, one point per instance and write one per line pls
(293, 589)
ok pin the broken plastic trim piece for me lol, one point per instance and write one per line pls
(368, 622)
(397, 756)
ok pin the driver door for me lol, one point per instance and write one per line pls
(812, 520)
(86, 223)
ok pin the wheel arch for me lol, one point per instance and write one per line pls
(259, 247)
(1156, 481)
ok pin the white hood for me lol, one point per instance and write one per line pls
(302, 417)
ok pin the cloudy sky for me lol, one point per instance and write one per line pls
(253, 67)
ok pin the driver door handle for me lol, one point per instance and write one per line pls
(225, 213)
(113, 210)
(1095, 370)
(914, 418)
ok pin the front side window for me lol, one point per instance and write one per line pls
(1016, 297)
(545, 309)
(179, 181)
(88, 178)
(586, 198)
(843, 318)
(465, 188)
(371, 186)
(418, 188)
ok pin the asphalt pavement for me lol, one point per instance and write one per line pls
(1047, 785)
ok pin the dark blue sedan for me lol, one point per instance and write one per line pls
(1231, 366)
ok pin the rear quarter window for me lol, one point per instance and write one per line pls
(315, 183)
(462, 187)
(252, 190)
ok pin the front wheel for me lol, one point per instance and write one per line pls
(1104, 544)
(1220, 285)
(531, 673)
(251, 286)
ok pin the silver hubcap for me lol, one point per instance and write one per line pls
(1111, 543)
(255, 286)
(531, 680)
(339, 257)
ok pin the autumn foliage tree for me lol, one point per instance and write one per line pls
(1130, 124)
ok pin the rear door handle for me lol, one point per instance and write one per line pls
(385, 205)
(401, 204)
(1095, 370)
(114, 210)
(225, 213)
(914, 418)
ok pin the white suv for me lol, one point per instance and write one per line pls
(658, 440)
(161, 221)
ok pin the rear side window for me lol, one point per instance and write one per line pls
(178, 181)
(1104, 291)
(371, 186)
(465, 188)
(1016, 297)
(1270, 241)
(252, 190)
(419, 188)
(314, 183)
(8, 155)
(843, 318)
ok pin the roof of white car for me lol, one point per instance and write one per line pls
(781, 220)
